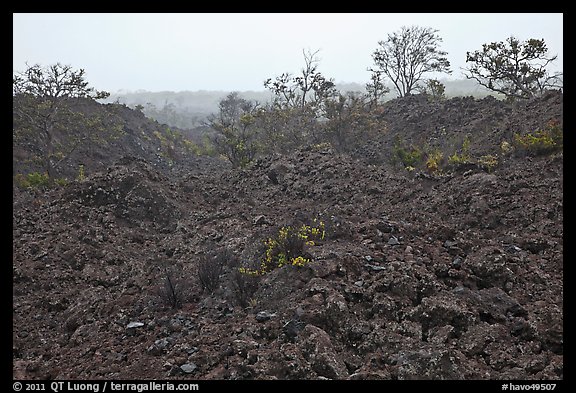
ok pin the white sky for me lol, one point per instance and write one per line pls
(219, 51)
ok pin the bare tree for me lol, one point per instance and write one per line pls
(409, 54)
(514, 68)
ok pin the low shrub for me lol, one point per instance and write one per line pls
(81, 174)
(38, 181)
(505, 147)
(244, 286)
(463, 157)
(409, 157)
(541, 142)
(171, 292)
(211, 267)
(288, 247)
(488, 162)
(34, 180)
(434, 160)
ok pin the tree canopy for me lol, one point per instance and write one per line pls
(407, 55)
(46, 101)
(517, 69)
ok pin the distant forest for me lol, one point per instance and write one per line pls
(189, 109)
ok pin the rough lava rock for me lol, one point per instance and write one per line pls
(419, 276)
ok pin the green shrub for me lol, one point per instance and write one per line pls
(488, 162)
(435, 89)
(462, 158)
(541, 142)
(207, 147)
(34, 180)
(409, 157)
(38, 181)
(61, 182)
(434, 160)
(81, 175)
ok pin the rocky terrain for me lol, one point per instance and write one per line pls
(160, 145)
(452, 275)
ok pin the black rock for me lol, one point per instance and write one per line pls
(293, 327)
(264, 316)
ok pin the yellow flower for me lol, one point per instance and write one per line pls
(300, 261)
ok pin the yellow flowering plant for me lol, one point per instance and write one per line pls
(288, 246)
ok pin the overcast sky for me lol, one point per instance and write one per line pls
(204, 51)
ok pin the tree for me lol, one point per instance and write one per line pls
(310, 88)
(291, 120)
(375, 89)
(352, 121)
(236, 136)
(43, 106)
(284, 129)
(433, 88)
(409, 54)
(514, 68)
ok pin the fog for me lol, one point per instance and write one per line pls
(203, 51)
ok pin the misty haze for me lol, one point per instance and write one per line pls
(189, 109)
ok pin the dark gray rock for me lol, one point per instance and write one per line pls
(263, 316)
(323, 358)
(159, 347)
(188, 368)
(259, 220)
(375, 268)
